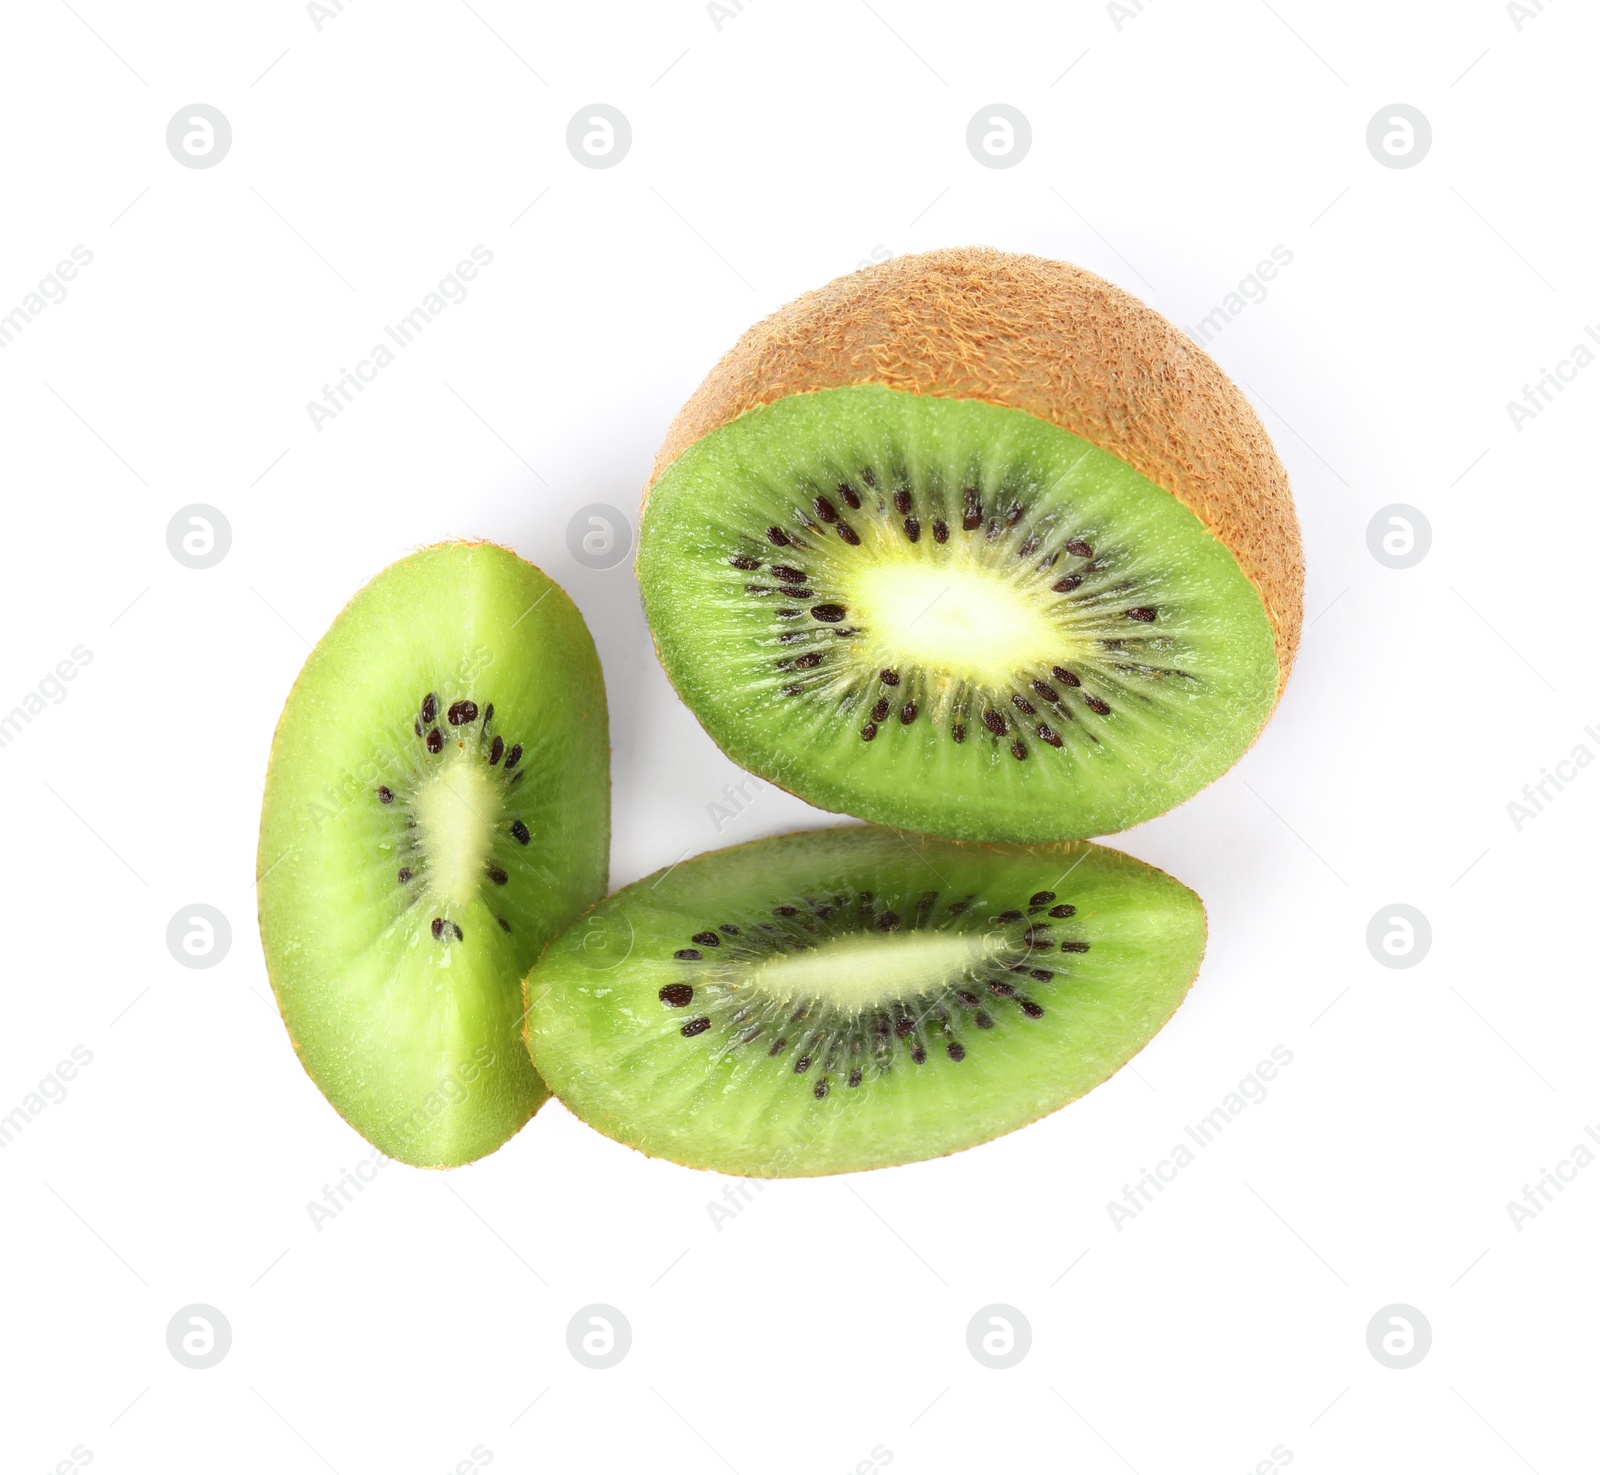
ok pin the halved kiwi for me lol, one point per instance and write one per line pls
(974, 544)
(855, 997)
(437, 808)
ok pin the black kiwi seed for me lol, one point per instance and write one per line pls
(982, 1020)
(777, 537)
(903, 1027)
(1048, 734)
(488, 716)
(1066, 909)
(1041, 898)
(1013, 514)
(1019, 750)
(1064, 676)
(496, 750)
(688, 955)
(889, 678)
(880, 709)
(852, 498)
(808, 660)
(505, 926)
(1000, 989)
(908, 714)
(1142, 614)
(1022, 704)
(941, 530)
(918, 1054)
(829, 614)
(820, 1089)
(1049, 693)
(855, 1077)
(676, 995)
(1066, 585)
(430, 708)
(1074, 946)
(435, 740)
(902, 501)
(404, 875)
(385, 794)
(868, 477)
(889, 922)
(956, 1051)
(994, 721)
(446, 931)
(849, 534)
(461, 713)
(707, 939)
(1079, 549)
(519, 832)
(971, 514)
(695, 1027)
(1097, 706)
(787, 575)
(514, 756)
(958, 733)
(777, 1046)
(785, 910)
(1044, 975)
(869, 732)
(802, 1065)
(496, 875)
(741, 562)
(1032, 1010)
(825, 509)
(1010, 916)
(728, 929)
(913, 528)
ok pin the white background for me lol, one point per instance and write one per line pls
(771, 152)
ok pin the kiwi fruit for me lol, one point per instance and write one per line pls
(855, 997)
(437, 807)
(974, 544)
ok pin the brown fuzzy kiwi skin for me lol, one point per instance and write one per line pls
(1054, 340)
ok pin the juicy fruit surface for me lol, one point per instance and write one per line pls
(852, 998)
(437, 807)
(951, 616)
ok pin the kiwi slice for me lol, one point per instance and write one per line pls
(437, 808)
(853, 998)
(974, 544)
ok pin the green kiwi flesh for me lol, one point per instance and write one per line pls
(437, 807)
(950, 616)
(855, 997)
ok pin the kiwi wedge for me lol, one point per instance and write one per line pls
(974, 544)
(853, 998)
(437, 807)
